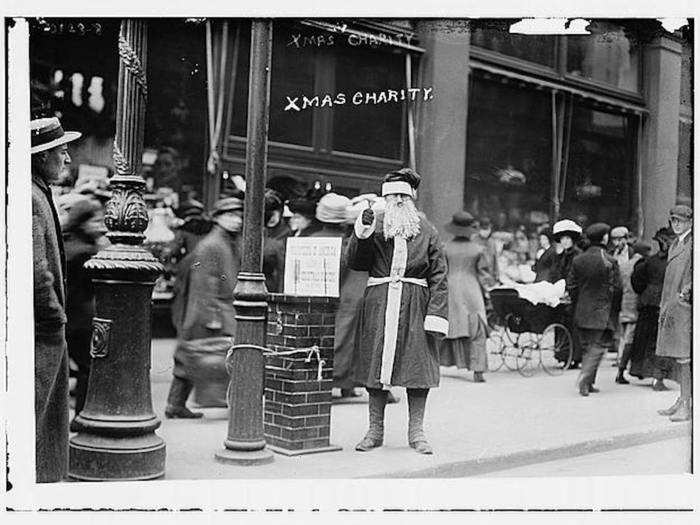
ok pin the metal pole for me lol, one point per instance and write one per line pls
(245, 442)
(117, 439)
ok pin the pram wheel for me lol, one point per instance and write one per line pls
(556, 349)
(524, 353)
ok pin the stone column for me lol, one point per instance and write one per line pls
(117, 439)
(662, 77)
(442, 121)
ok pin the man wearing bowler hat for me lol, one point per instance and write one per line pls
(50, 160)
(676, 312)
(596, 291)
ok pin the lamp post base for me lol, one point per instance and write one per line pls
(102, 458)
(244, 457)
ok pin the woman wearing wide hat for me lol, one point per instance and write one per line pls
(468, 280)
(566, 233)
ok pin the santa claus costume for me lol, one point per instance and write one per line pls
(404, 308)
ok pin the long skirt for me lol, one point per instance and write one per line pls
(464, 352)
(644, 361)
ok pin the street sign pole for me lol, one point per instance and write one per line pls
(245, 442)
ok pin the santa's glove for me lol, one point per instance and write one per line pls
(368, 217)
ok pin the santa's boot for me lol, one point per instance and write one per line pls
(416, 411)
(375, 435)
(177, 397)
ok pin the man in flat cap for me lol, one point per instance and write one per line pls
(50, 160)
(596, 290)
(207, 321)
(404, 308)
(676, 313)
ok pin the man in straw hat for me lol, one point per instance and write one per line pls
(50, 160)
(205, 320)
(404, 309)
(676, 312)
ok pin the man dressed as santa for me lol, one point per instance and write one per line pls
(404, 309)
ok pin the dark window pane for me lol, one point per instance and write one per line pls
(239, 111)
(368, 129)
(540, 49)
(600, 173)
(176, 111)
(509, 152)
(607, 55)
(292, 75)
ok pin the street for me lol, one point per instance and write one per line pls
(670, 456)
(510, 425)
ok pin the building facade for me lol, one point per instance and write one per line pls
(523, 129)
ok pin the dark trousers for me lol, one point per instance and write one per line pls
(594, 344)
(78, 341)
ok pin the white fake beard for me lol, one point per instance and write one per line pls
(401, 217)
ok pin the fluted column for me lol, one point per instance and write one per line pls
(117, 439)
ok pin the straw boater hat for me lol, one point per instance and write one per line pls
(463, 224)
(47, 133)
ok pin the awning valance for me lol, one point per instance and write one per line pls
(614, 103)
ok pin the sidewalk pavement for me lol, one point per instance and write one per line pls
(474, 428)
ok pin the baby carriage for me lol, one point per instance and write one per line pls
(529, 334)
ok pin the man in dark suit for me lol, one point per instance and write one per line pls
(596, 290)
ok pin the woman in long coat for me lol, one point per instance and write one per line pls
(648, 281)
(468, 279)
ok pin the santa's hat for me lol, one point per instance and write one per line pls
(404, 182)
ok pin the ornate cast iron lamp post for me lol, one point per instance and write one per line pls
(117, 439)
(245, 443)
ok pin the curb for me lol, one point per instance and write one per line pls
(473, 467)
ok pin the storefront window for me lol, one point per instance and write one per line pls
(607, 55)
(368, 129)
(292, 75)
(599, 172)
(509, 153)
(176, 112)
(540, 49)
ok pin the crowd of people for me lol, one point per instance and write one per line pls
(408, 301)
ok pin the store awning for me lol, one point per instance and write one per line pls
(610, 102)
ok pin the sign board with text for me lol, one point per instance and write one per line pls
(312, 266)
